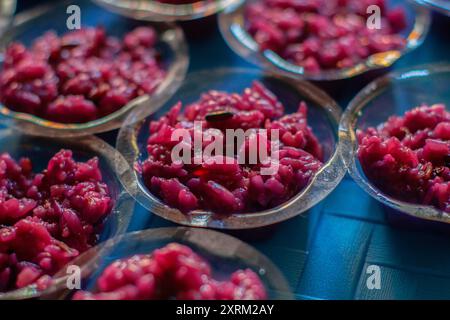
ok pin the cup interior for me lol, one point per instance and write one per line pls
(391, 95)
(323, 117)
(34, 23)
(233, 27)
(40, 150)
(224, 253)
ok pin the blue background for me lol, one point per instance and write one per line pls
(325, 254)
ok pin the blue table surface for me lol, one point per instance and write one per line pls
(325, 254)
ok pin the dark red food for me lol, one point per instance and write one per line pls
(323, 34)
(408, 157)
(226, 185)
(82, 76)
(174, 271)
(47, 218)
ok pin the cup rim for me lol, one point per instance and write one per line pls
(172, 35)
(123, 204)
(323, 182)
(349, 143)
(436, 5)
(7, 11)
(206, 239)
(159, 11)
(242, 43)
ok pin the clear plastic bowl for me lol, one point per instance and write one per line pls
(113, 166)
(442, 6)
(224, 253)
(232, 27)
(323, 117)
(393, 94)
(152, 10)
(31, 24)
